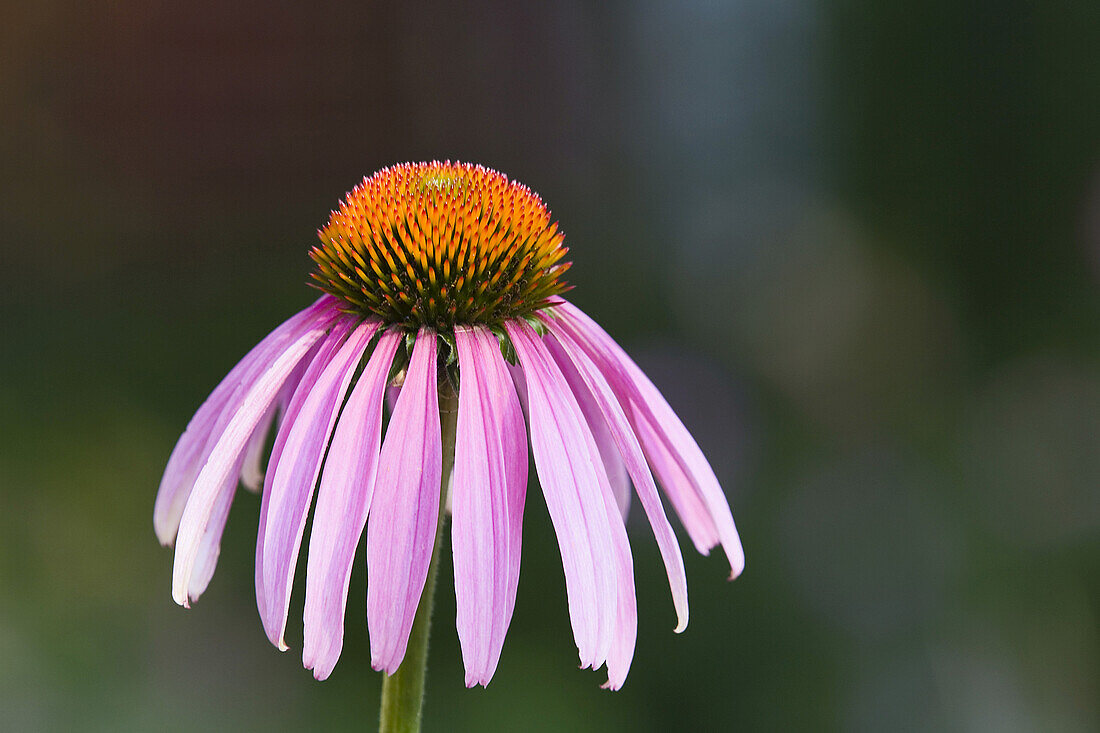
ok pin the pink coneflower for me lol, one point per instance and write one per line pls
(442, 288)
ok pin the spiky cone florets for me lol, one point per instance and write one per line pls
(439, 245)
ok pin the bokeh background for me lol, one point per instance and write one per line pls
(856, 243)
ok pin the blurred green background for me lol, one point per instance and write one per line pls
(856, 243)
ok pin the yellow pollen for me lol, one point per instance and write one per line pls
(441, 244)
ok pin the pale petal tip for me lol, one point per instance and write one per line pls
(179, 595)
(378, 666)
(252, 482)
(615, 681)
(681, 625)
(165, 537)
(483, 679)
(281, 646)
(737, 564)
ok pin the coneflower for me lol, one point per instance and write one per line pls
(443, 286)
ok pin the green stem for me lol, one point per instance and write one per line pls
(403, 691)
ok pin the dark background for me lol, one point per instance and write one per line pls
(856, 243)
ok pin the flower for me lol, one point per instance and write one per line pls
(445, 279)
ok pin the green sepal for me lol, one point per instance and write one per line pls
(507, 350)
(400, 360)
(452, 348)
(536, 323)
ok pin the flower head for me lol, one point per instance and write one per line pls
(441, 245)
(444, 280)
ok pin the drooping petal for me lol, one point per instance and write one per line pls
(625, 634)
(689, 505)
(252, 471)
(324, 352)
(590, 386)
(198, 440)
(686, 476)
(210, 545)
(296, 474)
(617, 475)
(572, 479)
(343, 502)
(489, 488)
(621, 653)
(221, 469)
(405, 509)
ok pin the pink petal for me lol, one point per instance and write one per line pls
(210, 545)
(687, 502)
(323, 354)
(489, 487)
(252, 470)
(686, 476)
(405, 510)
(343, 501)
(573, 481)
(198, 440)
(621, 653)
(296, 474)
(617, 475)
(590, 387)
(220, 471)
